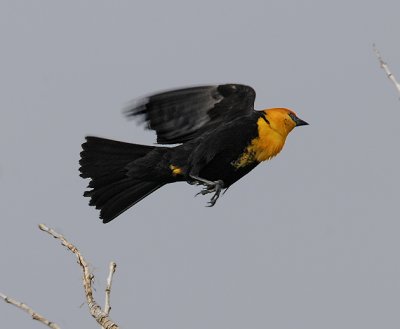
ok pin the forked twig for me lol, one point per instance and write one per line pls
(101, 317)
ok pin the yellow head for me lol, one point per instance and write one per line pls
(283, 120)
(273, 127)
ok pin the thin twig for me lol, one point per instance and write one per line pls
(101, 317)
(385, 67)
(35, 316)
(107, 305)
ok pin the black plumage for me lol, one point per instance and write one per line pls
(180, 115)
(214, 126)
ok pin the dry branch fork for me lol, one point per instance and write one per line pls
(102, 317)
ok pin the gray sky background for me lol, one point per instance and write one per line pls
(309, 240)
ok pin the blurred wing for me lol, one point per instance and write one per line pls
(181, 115)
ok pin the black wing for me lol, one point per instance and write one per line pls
(181, 115)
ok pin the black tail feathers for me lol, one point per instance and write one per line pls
(106, 162)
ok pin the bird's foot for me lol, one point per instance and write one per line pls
(209, 187)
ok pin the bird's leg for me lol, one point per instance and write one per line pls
(210, 187)
(201, 181)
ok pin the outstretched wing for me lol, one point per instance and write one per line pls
(181, 115)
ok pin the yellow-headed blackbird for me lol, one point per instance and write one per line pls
(220, 139)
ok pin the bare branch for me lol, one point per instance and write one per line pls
(385, 67)
(101, 317)
(107, 305)
(35, 316)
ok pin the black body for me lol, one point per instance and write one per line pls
(212, 124)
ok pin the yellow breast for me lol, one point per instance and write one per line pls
(265, 146)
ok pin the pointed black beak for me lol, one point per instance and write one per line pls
(300, 122)
(297, 121)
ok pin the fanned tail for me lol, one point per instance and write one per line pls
(105, 162)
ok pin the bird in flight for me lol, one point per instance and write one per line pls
(218, 138)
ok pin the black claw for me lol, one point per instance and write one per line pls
(218, 187)
(212, 187)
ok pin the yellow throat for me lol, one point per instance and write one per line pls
(272, 132)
